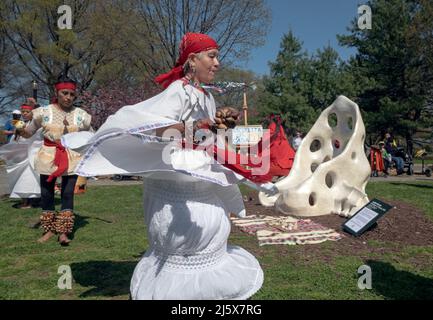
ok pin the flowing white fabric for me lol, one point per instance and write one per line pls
(130, 132)
(19, 156)
(187, 199)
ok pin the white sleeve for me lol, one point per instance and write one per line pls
(167, 106)
(36, 122)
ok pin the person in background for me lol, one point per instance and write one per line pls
(387, 159)
(54, 160)
(18, 155)
(9, 125)
(391, 148)
(297, 140)
(27, 115)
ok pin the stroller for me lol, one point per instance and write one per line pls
(407, 158)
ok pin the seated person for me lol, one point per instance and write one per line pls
(391, 148)
(387, 159)
(9, 128)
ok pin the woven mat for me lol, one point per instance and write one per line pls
(285, 230)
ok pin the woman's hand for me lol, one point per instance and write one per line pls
(203, 124)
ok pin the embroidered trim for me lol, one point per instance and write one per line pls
(47, 115)
(190, 261)
(89, 153)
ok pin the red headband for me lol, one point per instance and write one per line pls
(26, 107)
(191, 43)
(65, 85)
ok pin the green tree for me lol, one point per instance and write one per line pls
(328, 78)
(301, 86)
(388, 66)
(46, 51)
(420, 39)
(286, 87)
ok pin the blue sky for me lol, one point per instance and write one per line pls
(315, 22)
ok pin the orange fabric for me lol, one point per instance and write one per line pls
(282, 154)
(376, 160)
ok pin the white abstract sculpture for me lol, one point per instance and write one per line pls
(330, 170)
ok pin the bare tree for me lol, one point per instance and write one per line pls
(131, 40)
(30, 28)
(237, 26)
(10, 87)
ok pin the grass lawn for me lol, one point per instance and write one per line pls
(110, 238)
(427, 162)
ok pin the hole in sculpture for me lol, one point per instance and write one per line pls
(327, 158)
(315, 145)
(332, 120)
(353, 155)
(314, 167)
(329, 180)
(350, 123)
(312, 199)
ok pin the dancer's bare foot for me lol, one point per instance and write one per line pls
(25, 205)
(64, 240)
(46, 237)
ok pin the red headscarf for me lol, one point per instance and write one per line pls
(191, 43)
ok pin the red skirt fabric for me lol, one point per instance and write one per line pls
(376, 160)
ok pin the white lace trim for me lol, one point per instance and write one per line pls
(191, 261)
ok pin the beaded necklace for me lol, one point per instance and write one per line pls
(199, 86)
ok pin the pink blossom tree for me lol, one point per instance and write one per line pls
(105, 101)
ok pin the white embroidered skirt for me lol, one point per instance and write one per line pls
(188, 255)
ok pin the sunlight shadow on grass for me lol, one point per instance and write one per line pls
(108, 278)
(394, 284)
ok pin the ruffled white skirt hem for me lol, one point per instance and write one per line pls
(233, 274)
